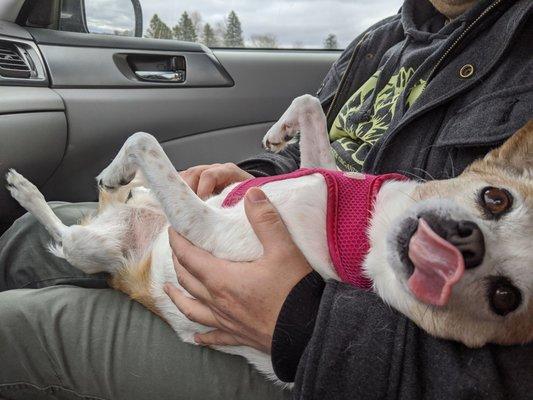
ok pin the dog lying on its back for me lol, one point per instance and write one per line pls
(454, 256)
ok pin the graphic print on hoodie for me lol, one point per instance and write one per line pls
(395, 86)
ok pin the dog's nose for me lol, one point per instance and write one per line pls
(465, 235)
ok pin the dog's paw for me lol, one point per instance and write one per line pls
(123, 168)
(117, 174)
(22, 189)
(277, 138)
(112, 178)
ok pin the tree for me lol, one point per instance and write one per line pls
(158, 29)
(233, 34)
(184, 30)
(331, 42)
(267, 40)
(196, 19)
(209, 38)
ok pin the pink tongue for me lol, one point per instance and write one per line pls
(438, 266)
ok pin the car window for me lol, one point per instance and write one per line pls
(276, 24)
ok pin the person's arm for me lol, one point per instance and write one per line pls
(359, 347)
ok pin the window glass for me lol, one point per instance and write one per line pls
(312, 24)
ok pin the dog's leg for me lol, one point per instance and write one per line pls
(304, 115)
(82, 246)
(203, 225)
(33, 200)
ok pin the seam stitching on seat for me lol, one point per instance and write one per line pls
(47, 388)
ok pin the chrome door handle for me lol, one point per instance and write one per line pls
(162, 76)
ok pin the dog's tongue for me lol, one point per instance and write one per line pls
(438, 266)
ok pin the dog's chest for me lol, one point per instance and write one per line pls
(350, 201)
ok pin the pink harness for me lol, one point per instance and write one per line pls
(351, 198)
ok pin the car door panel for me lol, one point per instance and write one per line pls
(100, 120)
(33, 137)
(228, 101)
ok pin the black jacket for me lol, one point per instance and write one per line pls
(455, 120)
(359, 347)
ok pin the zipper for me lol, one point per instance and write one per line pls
(461, 36)
(384, 143)
(344, 77)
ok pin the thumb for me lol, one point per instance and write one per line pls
(265, 220)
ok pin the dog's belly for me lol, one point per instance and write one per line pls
(162, 271)
(303, 211)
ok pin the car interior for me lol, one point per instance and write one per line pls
(70, 94)
(69, 99)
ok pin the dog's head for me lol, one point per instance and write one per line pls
(459, 260)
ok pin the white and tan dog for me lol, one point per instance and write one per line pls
(482, 219)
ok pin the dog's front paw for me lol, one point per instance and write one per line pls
(22, 189)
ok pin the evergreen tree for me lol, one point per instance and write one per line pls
(331, 42)
(209, 37)
(196, 19)
(184, 30)
(268, 41)
(233, 34)
(158, 29)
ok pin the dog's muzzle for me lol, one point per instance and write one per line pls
(438, 250)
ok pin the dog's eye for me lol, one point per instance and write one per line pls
(496, 201)
(504, 297)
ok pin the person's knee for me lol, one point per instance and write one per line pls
(15, 308)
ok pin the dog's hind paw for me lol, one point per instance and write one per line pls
(115, 176)
(22, 189)
(277, 137)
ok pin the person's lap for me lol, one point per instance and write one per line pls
(60, 341)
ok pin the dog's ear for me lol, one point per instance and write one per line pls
(516, 154)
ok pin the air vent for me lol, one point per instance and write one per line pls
(14, 62)
(21, 63)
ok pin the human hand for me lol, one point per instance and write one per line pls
(240, 300)
(206, 180)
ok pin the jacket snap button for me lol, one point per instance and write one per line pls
(466, 71)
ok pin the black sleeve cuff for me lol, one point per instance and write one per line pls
(270, 164)
(295, 325)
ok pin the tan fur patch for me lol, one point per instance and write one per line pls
(104, 199)
(134, 280)
(514, 156)
(86, 220)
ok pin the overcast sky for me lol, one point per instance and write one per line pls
(306, 22)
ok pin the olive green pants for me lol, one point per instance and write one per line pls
(65, 335)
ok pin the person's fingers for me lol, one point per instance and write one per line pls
(190, 283)
(201, 264)
(218, 337)
(193, 309)
(208, 181)
(213, 180)
(191, 176)
(265, 220)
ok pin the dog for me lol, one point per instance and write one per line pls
(454, 255)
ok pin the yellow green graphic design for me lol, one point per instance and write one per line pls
(354, 139)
